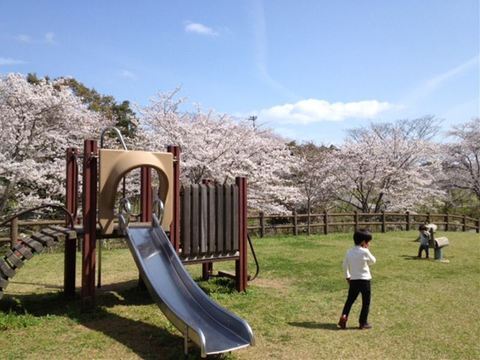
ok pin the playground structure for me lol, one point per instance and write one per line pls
(437, 243)
(205, 223)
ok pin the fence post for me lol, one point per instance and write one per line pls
(325, 222)
(464, 223)
(446, 220)
(262, 224)
(428, 218)
(295, 222)
(383, 221)
(407, 215)
(355, 219)
(13, 232)
(308, 223)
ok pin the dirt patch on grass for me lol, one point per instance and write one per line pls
(280, 285)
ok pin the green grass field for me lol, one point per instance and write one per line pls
(420, 309)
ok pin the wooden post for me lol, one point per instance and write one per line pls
(146, 194)
(325, 222)
(295, 222)
(241, 270)
(308, 223)
(355, 220)
(13, 232)
(447, 221)
(429, 220)
(262, 224)
(89, 222)
(408, 220)
(71, 196)
(464, 223)
(175, 226)
(146, 204)
(207, 268)
(383, 221)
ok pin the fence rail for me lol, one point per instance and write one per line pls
(16, 224)
(327, 222)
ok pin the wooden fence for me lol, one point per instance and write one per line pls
(295, 224)
(209, 221)
(16, 224)
(326, 222)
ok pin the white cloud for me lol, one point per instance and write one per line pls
(314, 110)
(23, 38)
(128, 74)
(200, 29)
(10, 61)
(50, 38)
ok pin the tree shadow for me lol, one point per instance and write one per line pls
(148, 341)
(315, 325)
(47, 286)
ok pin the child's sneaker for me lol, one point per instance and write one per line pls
(342, 323)
(365, 326)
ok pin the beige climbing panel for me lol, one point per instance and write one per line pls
(114, 164)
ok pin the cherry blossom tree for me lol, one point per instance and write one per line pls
(37, 123)
(312, 176)
(219, 148)
(462, 162)
(389, 166)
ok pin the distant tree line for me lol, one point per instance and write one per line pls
(396, 166)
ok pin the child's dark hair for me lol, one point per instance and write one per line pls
(422, 227)
(362, 235)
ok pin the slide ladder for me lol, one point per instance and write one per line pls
(25, 248)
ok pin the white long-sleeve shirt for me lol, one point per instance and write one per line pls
(356, 263)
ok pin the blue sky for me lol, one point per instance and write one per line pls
(308, 69)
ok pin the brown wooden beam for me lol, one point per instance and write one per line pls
(90, 173)
(71, 196)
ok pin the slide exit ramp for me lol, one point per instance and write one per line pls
(214, 329)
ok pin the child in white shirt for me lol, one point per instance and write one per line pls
(357, 272)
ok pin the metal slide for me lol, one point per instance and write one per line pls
(214, 329)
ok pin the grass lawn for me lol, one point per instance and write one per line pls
(420, 309)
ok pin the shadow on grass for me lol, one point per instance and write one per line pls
(146, 340)
(410, 257)
(316, 325)
(46, 286)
